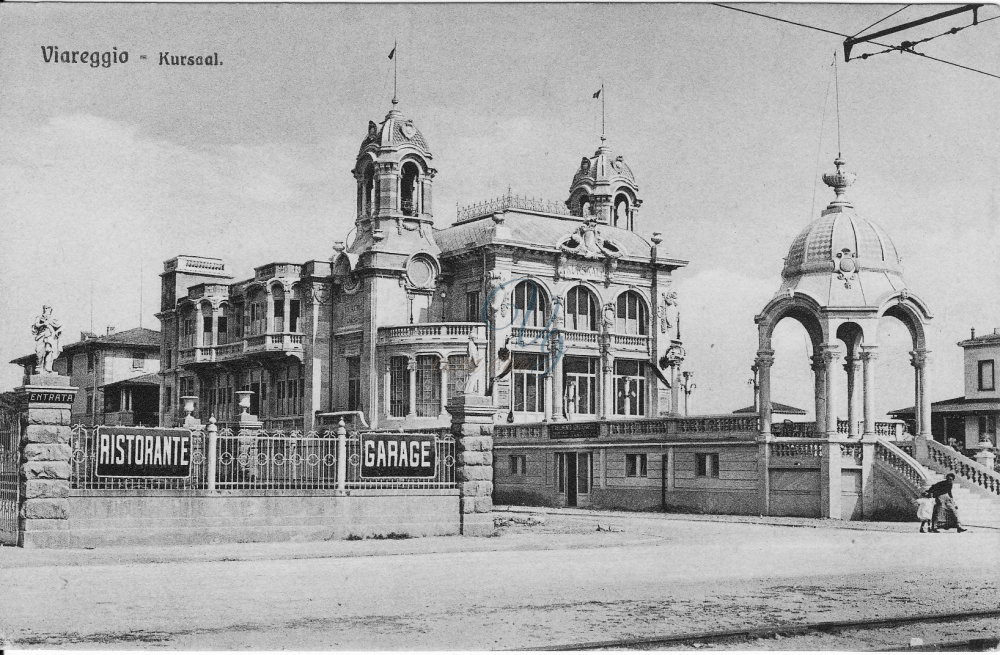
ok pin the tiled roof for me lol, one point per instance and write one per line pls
(532, 230)
(133, 337)
(776, 408)
(147, 379)
(960, 404)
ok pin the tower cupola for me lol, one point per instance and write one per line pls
(604, 188)
(394, 174)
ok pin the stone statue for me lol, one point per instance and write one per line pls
(472, 363)
(46, 329)
(668, 311)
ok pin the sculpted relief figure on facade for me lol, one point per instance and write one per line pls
(472, 363)
(586, 241)
(46, 330)
(668, 312)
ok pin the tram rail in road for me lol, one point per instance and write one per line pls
(793, 629)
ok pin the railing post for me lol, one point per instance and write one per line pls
(341, 456)
(213, 453)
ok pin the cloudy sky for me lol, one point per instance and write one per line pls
(727, 119)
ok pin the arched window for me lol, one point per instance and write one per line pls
(409, 194)
(581, 310)
(368, 189)
(530, 305)
(222, 336)
(622, 212)
(585, 205)
(632, 314)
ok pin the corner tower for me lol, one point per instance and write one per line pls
(604, 188)
(394, 180)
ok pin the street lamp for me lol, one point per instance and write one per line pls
(755, 383)
(687, 386)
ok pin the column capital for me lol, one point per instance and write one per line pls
(818, 362)
(829, 352)
(868, 353)
(765, 358)
(918, 358)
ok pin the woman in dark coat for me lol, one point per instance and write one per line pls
(945, 509)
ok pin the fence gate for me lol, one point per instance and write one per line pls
(10, 460)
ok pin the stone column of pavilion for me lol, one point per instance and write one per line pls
(472, 427)
(841, 276)
(46, 452)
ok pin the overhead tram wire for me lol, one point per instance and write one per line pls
(879, 21)
(899, 48)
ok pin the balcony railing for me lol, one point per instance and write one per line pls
(511, 201)
(431, 332)
(743, 428)
(271, 342)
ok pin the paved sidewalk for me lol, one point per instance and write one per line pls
(783, 521)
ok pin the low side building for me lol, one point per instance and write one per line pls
(97, 361)
(970, 419)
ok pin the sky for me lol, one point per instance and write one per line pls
(727, 120)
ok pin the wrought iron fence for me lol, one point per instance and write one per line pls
(276, 460)
(10, 460)
(260, 460)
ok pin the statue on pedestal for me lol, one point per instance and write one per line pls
(46, 329)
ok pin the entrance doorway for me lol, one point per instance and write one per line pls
(573, 478)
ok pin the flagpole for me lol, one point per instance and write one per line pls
(603, 96)
(395, 67)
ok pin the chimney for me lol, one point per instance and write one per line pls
(111, 330)
(973, 331)
(86, 335)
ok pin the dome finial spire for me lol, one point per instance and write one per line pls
(839, 181)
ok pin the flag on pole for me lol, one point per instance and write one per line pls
(597, 94)
(392, 53)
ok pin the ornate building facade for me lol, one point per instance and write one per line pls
(560, 311)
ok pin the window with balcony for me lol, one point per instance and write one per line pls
(580, 385)
(986, 381)
(353, 384)
(581, 310)
(279, 310)
(399, 386)
(222, 334)
(632, 314)
(257, 310)
(206, 328)
(529, 388)
(473, 308)
(630, 387)
(530, 305)
(428, 380)
(293, 317)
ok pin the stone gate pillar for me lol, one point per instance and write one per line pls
(45, 404)
(472, 426)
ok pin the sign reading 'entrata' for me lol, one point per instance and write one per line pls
(398, 456)
(61, 397)
(124, 452)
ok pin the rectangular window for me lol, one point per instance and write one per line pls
(529, 388)
(399, 387)
(986, 382)
(69, 365)
(90, 362)
(457, 374)
(90, 403)
(583, 472)
(167, 358)
(293, 319)
(635, 465)
(473, 310)
(630, 387)
(518, 464)
(706, 465)
(168, 397)
(353, 383)
(138, 360)
(580, 385)
(988, 427)
(223, 335)
(428, 385)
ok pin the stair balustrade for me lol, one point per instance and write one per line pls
(908, 468)
(963, 467)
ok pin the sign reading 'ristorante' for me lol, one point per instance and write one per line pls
(124, 452)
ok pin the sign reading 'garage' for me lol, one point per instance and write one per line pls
(398, 456)
(124, 452)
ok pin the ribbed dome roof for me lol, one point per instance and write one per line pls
(838, 234)
(395, 130)
(603, 168)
